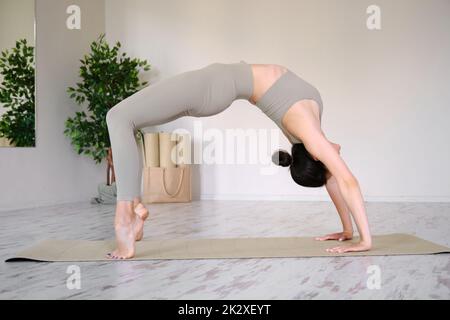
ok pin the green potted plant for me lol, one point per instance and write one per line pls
(17, 68)
(107, 77)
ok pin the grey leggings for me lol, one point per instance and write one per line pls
(200, 93)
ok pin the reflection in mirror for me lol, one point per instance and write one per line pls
(17, 70)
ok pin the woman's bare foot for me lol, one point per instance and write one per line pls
(124, 226)
(141, 215)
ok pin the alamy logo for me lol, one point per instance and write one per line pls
(73, 21)
(374, 279)
(374, 19)
(73, 282)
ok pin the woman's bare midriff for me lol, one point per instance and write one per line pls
(264, 76)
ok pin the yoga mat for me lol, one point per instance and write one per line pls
(84, 250)
(151, 147)
(183, 149)
(167, 149)
(139, 136)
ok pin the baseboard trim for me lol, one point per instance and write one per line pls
(326, 198)
(254, 197)
(41, 205)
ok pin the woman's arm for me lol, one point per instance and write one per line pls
(341, 207)
(301, 120)
(343, 211)
(351, 193)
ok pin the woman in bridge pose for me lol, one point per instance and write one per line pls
(291, 102)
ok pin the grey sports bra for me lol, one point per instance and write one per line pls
(287, 90)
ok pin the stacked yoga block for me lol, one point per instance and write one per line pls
(167, 167)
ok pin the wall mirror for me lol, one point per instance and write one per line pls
(17, 73)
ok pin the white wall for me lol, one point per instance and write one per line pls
(386, 97)
(52, 172)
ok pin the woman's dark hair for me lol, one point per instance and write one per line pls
(304, 169)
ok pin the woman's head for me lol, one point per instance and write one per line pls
(304, 169)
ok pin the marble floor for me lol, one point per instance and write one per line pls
(401, 277)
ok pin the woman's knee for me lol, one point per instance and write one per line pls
(118, 120)
(110, 116)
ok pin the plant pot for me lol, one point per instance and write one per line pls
(106, 194)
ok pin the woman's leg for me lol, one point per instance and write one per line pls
(129, 226)
(141, 215)
(156, 104)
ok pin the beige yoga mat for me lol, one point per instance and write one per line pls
(183, 149)
(140, 143)
(167, 149)
(151, 149)
(292, 247)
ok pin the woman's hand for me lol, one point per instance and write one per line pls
(354, 247)
(340, 236)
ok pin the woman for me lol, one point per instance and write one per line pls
(292, 103)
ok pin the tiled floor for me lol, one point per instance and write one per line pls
(402, 277)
